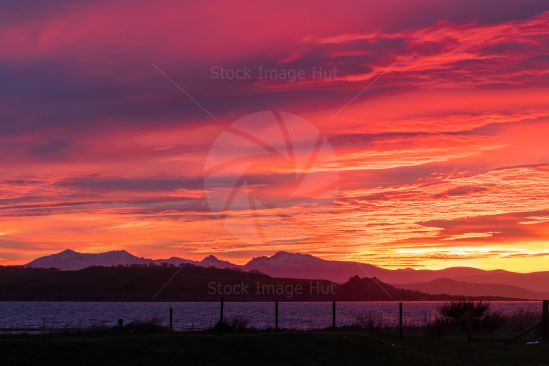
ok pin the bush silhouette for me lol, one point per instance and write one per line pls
(456, 310)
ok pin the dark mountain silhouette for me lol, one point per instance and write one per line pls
(72, 260)
(533, 281)
(284, 264)
(212, 261)
(186, 283)
(305, 266)
(452, 287)
(281, 264)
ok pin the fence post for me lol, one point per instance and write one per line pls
(221, 309)
(171, 319)
(469, 321)
(545, 321)
(400, 330)
(333, 314)
(120, 323)
(276, 315)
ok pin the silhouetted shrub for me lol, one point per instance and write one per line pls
(232, 325)
(453, 317)
(367, 322)
(456, 310)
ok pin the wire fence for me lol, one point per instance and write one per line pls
(404, 319)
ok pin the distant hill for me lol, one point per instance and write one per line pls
(305, 266)
(452, 287)
(296, 265)
(281, 264)
(186, 283)
(70, 260)
(212, 261)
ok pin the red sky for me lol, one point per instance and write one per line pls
(433, 122)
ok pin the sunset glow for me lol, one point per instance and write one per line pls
(429, 147)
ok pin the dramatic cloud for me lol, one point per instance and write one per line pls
(433, 114)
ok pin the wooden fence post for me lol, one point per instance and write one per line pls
(400, 330)
(469, 321)
(333, 314)
(545, 322)
(171, 319)
(276, 315)
(221, 310)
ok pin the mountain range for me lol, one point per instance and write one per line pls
(187, 283)
(461, 288)
(465, 281)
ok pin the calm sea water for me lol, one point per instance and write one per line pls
(200, 315)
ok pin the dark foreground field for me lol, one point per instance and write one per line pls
(283, 348)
